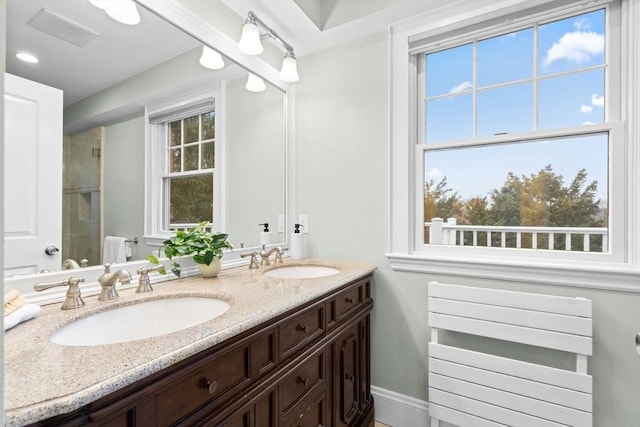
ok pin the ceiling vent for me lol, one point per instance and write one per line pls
(62, 28)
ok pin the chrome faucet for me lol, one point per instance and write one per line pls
(264, 255)
(73, 298)
(108, 281)
(144, 283)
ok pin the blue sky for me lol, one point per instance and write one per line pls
(568, 45)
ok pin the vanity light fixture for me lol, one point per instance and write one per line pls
(289, 71)
(123, 11)
(211, 59)
(250, 40)
(27, 57)
(255, 83)
(250, 43)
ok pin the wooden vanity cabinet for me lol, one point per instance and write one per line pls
(307, 367)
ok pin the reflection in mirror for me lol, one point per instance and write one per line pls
(109, 76)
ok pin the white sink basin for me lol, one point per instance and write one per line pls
(301, 272)
(138, 321)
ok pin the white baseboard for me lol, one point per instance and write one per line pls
(399, 410)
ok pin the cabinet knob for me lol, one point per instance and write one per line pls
(349, 300)
(304, 381)
(349, 377)
(211, 386)
(303, 328)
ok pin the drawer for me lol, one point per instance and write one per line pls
(347, 302)
(302, 380)
(220, 377)
(309, 413)
(301, 330)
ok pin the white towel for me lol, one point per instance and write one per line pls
(22, 314)
(115, 250)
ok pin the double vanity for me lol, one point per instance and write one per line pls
(280, 346)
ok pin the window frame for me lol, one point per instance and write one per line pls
(157, 158)
(406, 250)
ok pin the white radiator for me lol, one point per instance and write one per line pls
(474, 389)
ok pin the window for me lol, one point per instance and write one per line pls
(188, 180)
(517, 141)
(519, 191)
(184, 152)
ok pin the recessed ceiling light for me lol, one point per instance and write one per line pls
(26, 57)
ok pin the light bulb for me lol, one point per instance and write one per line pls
(26, 57)
(289, 70)
(250, 40)
(123, 11)
(211, 59)
(255, 83)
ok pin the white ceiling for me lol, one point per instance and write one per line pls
(121, 51)
(332, 22)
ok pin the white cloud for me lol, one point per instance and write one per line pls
(586, 109)
(434, 173)
(577, 46)
(596, 100)
(462, 86)
(587, 123)
(582, 24)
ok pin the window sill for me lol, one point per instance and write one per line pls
(623, 278)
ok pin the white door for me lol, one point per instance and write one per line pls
(33, 176)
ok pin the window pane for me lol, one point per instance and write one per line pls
(505, 58)
(175, 160)
(449, 118)
(449, 71)
(571, 100)
(191, 199)
(505, 110)
(191, 158)
(537, 184)
(191, 131)
(208, 125)
(208, 155)
(572, 43)
(175, 130)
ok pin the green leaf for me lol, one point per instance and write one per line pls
(153, 259)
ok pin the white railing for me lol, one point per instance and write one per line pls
(449, 233)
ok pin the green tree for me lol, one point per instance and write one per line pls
(440, 201)
(505, 202)
(540, 199)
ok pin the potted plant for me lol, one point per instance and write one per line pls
(204, 246)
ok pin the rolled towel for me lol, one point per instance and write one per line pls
(24, 313)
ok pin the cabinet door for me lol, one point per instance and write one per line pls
(365, 363)
(348, 375)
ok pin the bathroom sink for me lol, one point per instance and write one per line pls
(143, 320)
(301, 272)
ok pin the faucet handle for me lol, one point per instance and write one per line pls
(73, 297)
(144, 283)
(279, 253)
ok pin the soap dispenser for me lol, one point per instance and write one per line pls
(297, 243)
(265, 234)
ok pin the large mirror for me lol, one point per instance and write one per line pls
(110, 74)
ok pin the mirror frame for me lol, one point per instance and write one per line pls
(175, 13)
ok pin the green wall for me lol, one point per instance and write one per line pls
(342, 183)
(123, 184)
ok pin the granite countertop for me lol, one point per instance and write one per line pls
(43, 379)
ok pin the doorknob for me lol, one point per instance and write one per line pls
(51, 250)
